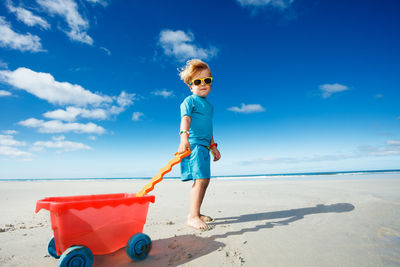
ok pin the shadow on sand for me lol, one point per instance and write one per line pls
(171, 251)
(289, 216)
(178, 250)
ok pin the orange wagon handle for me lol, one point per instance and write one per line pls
(156, 179)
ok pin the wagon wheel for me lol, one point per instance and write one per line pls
(76, 256)
(138, 246)
(52, 249)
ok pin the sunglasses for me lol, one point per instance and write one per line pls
(197, 82)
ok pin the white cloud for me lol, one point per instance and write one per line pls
(22, 42)
(27, 16)
(164, 93)
(101, 2)
(3, 64)
(56, 126)
(8, 140)
(4, 93)
(137, 115)
(387, 152)
(71, 114)
(60, 143)
(378, 96)
(14, 152)
(391, 148)
(281, 4)
(9, 132)
(181, 46)
(68, 10)
(8, 146)
(125, 99)
(363, 152)
(393, 142)
(58, 138)
(296, 160)
(108, 52)
(329, 89)
(251, 108)
(44, 86)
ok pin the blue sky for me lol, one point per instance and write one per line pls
(91, 88)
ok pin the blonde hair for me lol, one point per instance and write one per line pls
(192, 67)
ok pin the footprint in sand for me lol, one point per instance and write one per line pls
(173, 245)
(8, 227)
(237, 258)
(179, 256)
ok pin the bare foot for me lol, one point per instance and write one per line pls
(206, 218)
(196, 223)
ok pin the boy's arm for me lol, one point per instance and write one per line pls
(185, 126)
(185, 123)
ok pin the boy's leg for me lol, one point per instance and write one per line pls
(197, 193)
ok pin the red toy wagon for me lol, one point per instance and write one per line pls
(97, 224)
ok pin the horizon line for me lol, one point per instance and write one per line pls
(216, 176)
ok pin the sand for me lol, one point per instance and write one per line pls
(324, 221)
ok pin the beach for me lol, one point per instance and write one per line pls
(347, 220)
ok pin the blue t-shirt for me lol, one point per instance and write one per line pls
(201, 113)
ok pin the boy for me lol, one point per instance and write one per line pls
(196, 133)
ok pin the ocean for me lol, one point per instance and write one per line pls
(366, 174)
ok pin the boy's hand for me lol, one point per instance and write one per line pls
(216, 153)
(183, 146)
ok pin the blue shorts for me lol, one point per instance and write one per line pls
(197, 164)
